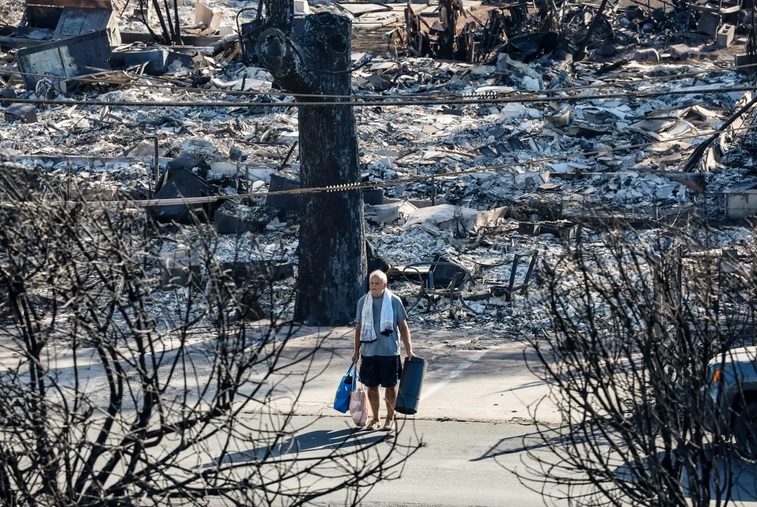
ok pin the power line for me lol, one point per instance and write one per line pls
(388, 101)
(104, 79)
(370, 100)
(389, 183)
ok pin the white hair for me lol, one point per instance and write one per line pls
(380, 274)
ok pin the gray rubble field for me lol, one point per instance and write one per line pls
(491, 164)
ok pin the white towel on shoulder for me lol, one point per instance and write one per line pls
(367, 333)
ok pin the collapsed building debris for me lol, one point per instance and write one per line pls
(70, 57)
(513, 156)
(490, 28)
(75, 38)
(55, 20)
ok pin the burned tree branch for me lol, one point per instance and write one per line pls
(633, 324)
(284, 60)
(113, 401)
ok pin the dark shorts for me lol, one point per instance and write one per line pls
(383, 370)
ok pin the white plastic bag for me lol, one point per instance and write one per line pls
(358, 408)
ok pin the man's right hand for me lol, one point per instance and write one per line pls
(355, 357)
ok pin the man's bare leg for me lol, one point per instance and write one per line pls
(390, 399)
(373, 402)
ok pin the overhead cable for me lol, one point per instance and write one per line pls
(399, 181)
(388, 102)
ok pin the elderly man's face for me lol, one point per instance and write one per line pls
(377, 286)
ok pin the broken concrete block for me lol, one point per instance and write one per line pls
(679, 51)
(702, 55)
(725, 35)
(301, 7)
(26, 113)
(179, 269)
(647, 55)
(234, 218)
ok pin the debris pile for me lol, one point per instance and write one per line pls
(494, 162)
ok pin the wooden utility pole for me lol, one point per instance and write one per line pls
(332, 261)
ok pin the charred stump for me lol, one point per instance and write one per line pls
(332, 252)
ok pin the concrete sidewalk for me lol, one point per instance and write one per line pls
(468, 379)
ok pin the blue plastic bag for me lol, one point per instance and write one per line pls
(346, 386)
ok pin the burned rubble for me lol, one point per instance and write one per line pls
(493, 158)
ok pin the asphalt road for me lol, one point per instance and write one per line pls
(462, 464)
(474, 418)
(477, 397)
(468, 377)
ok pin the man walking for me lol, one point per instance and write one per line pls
(381, 322)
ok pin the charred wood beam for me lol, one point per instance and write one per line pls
(169, 21)
(448, 14)
(580, 53)
(177, 25)
(696, 156)
(166, 37)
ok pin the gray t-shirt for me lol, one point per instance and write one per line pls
(383, 345)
